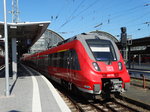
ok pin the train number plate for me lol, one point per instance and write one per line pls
(110, 75)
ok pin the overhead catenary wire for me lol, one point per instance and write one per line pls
(131, 9)
(66, 22)
(58, 15)
(74, 11)
(120, 14)
(109, 19)
(77, 15)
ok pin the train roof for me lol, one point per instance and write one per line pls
(81, 37)
(94, 35)
(113, 38)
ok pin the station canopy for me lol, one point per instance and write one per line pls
(26, 33)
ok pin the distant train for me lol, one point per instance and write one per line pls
(2, 60)
(90, 62)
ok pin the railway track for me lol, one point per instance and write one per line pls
(143, 83)
(78, 103)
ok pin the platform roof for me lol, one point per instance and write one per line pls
(141, 41)
(26, 33)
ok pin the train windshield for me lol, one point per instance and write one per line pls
(102, 50)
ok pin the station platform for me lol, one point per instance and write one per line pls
(31, 92)
(141, 66)
(139, 73)
(138, 94)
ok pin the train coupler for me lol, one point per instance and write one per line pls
(116, 85)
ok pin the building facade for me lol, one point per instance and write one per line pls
(47, 40)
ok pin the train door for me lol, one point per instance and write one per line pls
(72, 66)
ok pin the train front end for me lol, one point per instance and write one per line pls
(107, 73)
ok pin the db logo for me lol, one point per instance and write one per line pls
(109, 68)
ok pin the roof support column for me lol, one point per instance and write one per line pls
(139, 59)
(14, 58)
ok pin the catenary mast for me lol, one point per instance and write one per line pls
(15, 11)
(15, 19)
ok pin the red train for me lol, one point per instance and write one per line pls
(90, 62)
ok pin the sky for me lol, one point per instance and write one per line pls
(72, 17)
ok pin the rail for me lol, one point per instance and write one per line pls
(79, 103)
(141, 82)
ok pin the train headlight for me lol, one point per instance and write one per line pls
(96, 66)
(120, 66)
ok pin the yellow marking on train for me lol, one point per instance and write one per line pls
(62, 50)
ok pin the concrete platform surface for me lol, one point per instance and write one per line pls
(31, 92)
(138, 94)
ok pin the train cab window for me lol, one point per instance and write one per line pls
(102, 50)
